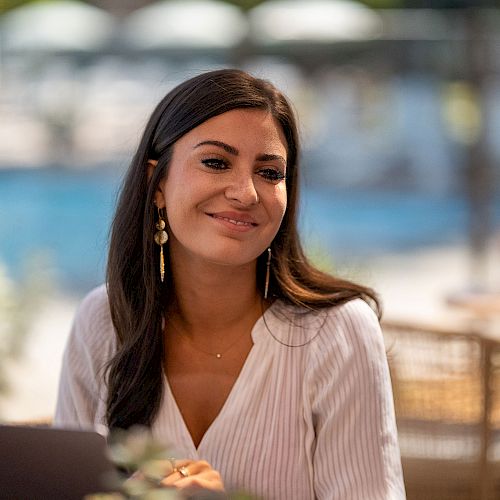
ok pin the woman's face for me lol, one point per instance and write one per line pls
(224, 193)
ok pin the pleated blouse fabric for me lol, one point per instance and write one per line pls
(310, 416)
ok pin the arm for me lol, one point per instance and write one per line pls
(81, 398)
(82, 376)
(357, 453)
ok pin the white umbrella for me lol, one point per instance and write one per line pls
(59, 25)
(191, 24)
(281, 21)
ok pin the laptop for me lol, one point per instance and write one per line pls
(38, 463)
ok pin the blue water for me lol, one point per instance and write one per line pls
(64, 216)
(60, 217)
(366, 223)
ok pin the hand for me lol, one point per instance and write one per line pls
(193, 474)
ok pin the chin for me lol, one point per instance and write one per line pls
(230, 261)
(231, 257)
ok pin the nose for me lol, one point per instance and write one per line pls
(241, 189)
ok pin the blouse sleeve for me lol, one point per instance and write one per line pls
(82, 375)
(356, 453)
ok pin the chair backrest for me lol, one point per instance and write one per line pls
(447, 397)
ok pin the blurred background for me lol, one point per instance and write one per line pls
(399, 110)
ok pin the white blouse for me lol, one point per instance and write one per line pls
(310, 416)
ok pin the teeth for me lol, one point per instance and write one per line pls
(237, 222)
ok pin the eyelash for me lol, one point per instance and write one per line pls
(270, 174)
(215, 163)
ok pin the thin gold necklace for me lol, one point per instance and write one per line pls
(217, 354)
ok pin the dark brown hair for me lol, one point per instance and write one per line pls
(136, 295)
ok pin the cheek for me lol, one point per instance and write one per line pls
(183, 200)
(175, 203)
(280, 201)
(176, 190)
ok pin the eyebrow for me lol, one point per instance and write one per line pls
(232, 150)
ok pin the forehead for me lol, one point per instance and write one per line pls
(241, 128)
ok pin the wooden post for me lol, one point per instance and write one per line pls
(484, 470)
(479, 173)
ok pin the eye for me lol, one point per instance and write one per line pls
(215, 163)
(272, 174)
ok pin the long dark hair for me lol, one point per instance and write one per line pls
(136, 294)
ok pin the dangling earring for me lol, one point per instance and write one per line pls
(161, 237)
(268, 265)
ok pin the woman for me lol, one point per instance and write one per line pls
(264, 373)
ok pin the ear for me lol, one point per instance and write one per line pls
(151, 165)
(159, 199)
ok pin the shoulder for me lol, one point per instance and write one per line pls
(95, 304)
(92, 325)
(348, 355)
(350, 334)
(90, 345)
(341, 331)
(353, 320)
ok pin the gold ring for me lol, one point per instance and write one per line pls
(183, 471)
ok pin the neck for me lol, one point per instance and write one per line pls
(211, 298)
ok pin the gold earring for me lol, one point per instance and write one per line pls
(161, 237)
(268, 266)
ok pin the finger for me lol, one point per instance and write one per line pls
(199, 482)
(184, 468)
(180, 471)
(193, 466)
(183, 471)
(209, 479)
(199, 469)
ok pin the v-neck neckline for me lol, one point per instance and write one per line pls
(244, 374)
(186, 435)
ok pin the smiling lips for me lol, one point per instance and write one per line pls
(238, 222)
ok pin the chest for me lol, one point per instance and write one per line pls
(265, 431)
(201, 385)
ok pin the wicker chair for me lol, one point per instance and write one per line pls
(447, 398)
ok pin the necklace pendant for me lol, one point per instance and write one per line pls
(218, 355)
